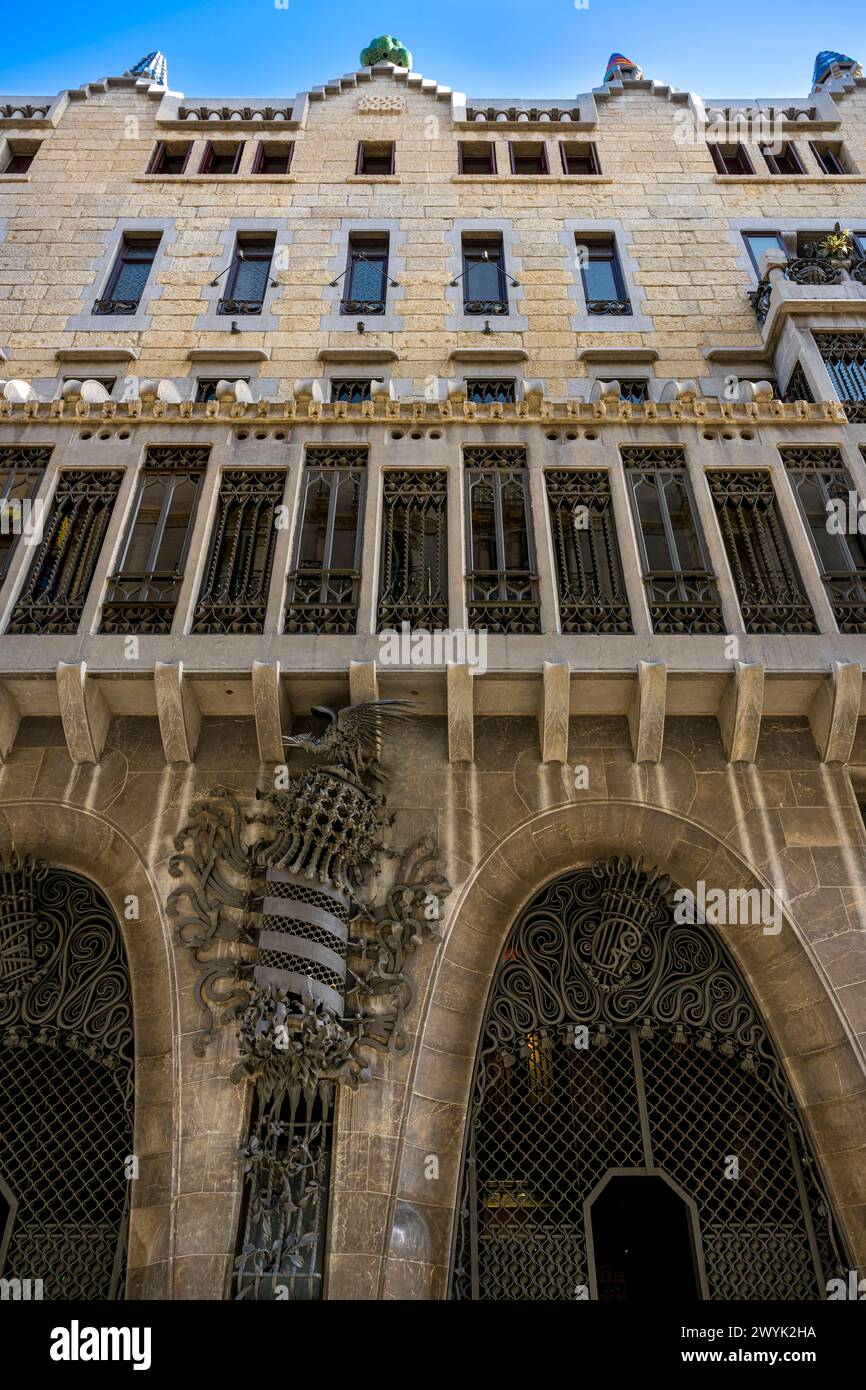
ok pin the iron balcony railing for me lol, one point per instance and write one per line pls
(362, 306)
(503, 601)
(116, 306)
(617, 307)
(322, 601)
(684, 601)
(811, 269)
(240, 306)
(142, 602)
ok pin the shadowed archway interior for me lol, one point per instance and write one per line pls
(66, 1083)
(620, 1045)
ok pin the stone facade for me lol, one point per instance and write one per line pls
(734, 758)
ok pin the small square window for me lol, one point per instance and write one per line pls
(579, 157)
(634, 389)
(477, 157)
(169, 158)
(731, 159)
(205, 387)
(375, 158)
(352, 390)
(20, 157)
(782, 159)
(831, 157)
(272, 157)
(221, 159)
(528, 157)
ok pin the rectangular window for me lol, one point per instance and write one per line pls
(22, 469)
(829, 504)
(830, 157)
(579, 157)
(352, 390)
(375, 157)
(731, 159)
(249, 276)
(477, 157)
(324, 586)
(635, 390)
(221, 159)
(485, 289)
(21, 156)
(502, 586)
(169, 158)
(603, 282)
(129, 276)
(759, 242)
(484, 390)
(844, 356)
(237, 578)
(143, 591)
(681, 588)
(783, 160)
(366, 278)
(59, 579)
(589, 576)
(271, 157)
(766, 578)
(206, 386)
(528, 157)
(414, 575)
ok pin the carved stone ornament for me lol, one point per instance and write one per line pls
(280, 913)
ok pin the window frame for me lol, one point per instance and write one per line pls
(361, 160)
(211, 152)
(242, 240)
(770, 232)
(720, 158)
(824, 150)
(128, 242)
(261, 154)
(357, 241)
(478, 144)
(590, 145)
(161, 152)
(607, 241)
(513, 157)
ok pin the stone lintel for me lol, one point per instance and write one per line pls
(363, 681)
(553, 711)
(179, 714)
(83, 710)
(834, 710)
(271, 710)
(461, 713)
(740, 711)
(646, 713)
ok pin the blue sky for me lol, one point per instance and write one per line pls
(544, 48)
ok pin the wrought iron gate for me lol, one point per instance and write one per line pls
(617, 1039)
(66, 1083)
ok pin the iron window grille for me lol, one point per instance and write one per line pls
(635, 390)
(220, 159)
(486, 390)
(143, 592)
(681, 588)
(375, 158)
(829, 158)
(844, 356)
(731, 159)
(66, 1083)
(485, 288)
(352, 390)
(272, 157)
(528, 157)
(129, 276)
(819, 478)
(767, 581)
(249, 277)
(169, 159)
(324, 586)
(414, 574)
(206, 386)
(55, 591)
(476, 157)
(603, 281)
(236, 584)
(586, 554)
(784, 160)
(366, 276)
(22, 469)
(502, 585)
(798, 388)
(579, 157)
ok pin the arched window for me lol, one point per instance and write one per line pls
(627, 1101)
(66, 1084)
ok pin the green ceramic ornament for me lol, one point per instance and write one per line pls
(386, 50)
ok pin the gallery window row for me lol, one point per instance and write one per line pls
(502, 543)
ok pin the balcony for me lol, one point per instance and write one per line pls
(813, 283)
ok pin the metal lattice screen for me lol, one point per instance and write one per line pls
(619, 1040)
(66, 1083)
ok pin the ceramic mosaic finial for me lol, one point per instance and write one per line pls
(154, 66)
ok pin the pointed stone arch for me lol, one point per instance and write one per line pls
(820, 1056)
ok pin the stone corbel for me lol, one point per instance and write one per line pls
(740, 711)
(646, 712)
(179, 714)
(363, 681)
(271, 710)
(834, 710)
(461, 713)
(10, 718)
(553, 711)
(83, 710)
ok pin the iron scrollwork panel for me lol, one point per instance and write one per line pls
(502, 586)
(414, 583)
(826, 497)
(844, 356)
(586, 552)
(234, 592)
